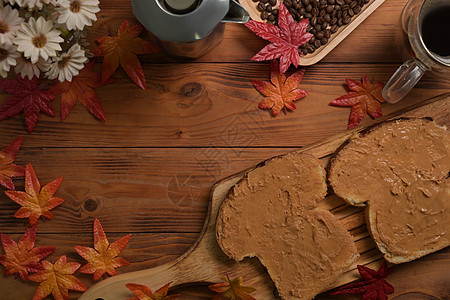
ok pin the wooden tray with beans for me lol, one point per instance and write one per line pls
(330, 20)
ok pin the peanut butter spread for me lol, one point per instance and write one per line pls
(271, 214)
(401, 169)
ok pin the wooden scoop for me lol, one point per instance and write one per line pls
(205, 261)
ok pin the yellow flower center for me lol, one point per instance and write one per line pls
(3, 54)
(64, 62)
(39, 41)
(75, 6)
(3, 27)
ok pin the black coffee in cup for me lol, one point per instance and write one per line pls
(436, 30)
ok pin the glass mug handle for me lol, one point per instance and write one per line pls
(403, 80)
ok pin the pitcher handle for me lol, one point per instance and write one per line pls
(403, 80)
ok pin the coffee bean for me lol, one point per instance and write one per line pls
(329, 9)
(269, 8)
(273, 2)
(351, 13)
(317, 43)
(327, 33)
(334, 13)
(315, 11)
(357, 9)
(305, 2)
(319, 35)
(295, 5)
(313, 21)
(333, 21)
(308, 16)
(308, 8)
(264, 15)
(312, 40)
(311, 49)
(339, 14)
(346, 20)
(348, 1)
(345, 13)
(345, 7)
(305, 51)
(271, 18)
(260, 7)
(353, 4)
(323, 2)
(324, 40)
(263, 1)
(324, 26)
(327, 18)
(317, 27)
(331, 2)
(339, 2)
(275, 12)
(313, 31)
(334, 28)
(302, 11)
(340, 22)
(287, 3)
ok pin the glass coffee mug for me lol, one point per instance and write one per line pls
(426, 46)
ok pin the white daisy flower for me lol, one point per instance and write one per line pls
(8, 56)
(38, 39)
(68, 64)
(76, 14)
(39, 4)
(27, 69)
(9, 23)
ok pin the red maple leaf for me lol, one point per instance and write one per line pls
(122, 49)
(7, 168)
(280, 92)
(57, 279)
(364, 99)
(285, 38)
(81, 89)
(26, 96)
(373, 285)
(143, 292)
(103, 258)
(23, 257)
(35, 201)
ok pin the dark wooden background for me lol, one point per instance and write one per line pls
(149, 169)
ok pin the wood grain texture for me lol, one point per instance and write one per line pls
(205, 260)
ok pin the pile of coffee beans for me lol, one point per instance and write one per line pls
(325, 16)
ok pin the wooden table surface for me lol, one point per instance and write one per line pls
(149, 169)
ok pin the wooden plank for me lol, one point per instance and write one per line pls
(374, 41)
(169, 186)
(215, 107)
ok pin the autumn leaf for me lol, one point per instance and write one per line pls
(232, 290)
(103, 257)
(373, 285)
(57, 279)
(364, 99)
(7, 168)
(35, 201)
(280, 92)
(81, 89)
(143, 292)
(122, 49)
(28, 97)
(23, 257)
(286, 38)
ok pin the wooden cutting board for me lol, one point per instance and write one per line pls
(205, 261)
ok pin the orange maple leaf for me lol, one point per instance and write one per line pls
(23, 257)
(7, 168)
(81, 89)
(57, 279)
(232, 289)
(364, 99)
(103, 257)
(280, 92)
(143, 292)
(122, 49)
(35, 201)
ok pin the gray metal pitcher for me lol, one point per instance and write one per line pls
(188, 28)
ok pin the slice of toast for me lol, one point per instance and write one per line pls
(271, 214)
(400, 169)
